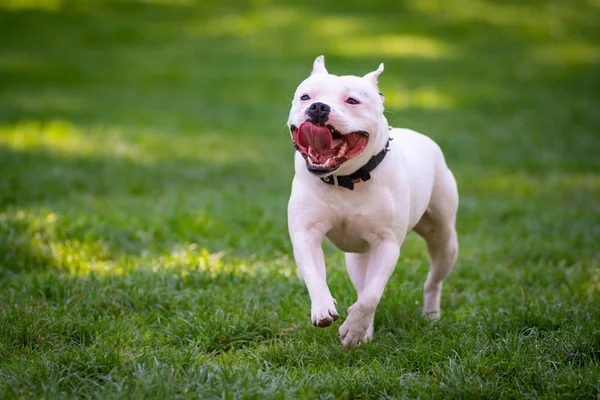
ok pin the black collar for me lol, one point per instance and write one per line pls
(363, 173)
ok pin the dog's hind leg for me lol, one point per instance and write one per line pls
(357, 265)
(437, 227)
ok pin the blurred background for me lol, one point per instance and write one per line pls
(133, 110)
(150, 136)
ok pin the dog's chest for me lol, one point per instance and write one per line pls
(355, 225)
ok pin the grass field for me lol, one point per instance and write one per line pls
(145, 169)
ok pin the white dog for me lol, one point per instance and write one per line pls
(364, 186)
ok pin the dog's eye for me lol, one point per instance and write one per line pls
(352, 100)
(304, 97)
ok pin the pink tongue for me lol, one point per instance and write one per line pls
(314, 136)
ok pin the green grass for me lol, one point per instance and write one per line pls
(145, 169)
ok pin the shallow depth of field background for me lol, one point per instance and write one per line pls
(145, 169)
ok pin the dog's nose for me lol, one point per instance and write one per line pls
(318, 113)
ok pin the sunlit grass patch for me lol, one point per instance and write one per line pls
(65, 138)
(569, 186)
(532, 20)
(423, 98)
(252, 22)
(389, 46)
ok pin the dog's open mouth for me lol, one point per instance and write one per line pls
(324, 148)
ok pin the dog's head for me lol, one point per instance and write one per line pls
(337, 122)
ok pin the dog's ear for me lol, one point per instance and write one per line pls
(372, 76)
(319, 66)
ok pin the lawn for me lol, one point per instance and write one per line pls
(145, 169)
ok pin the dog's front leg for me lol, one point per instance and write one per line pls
(382, 260)
(311, 262)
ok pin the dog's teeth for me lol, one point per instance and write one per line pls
(343, 149)
(328, 162)
(310, 162)
(330, 129)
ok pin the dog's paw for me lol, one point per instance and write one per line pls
(352, 335)
(324, 315)
(357, 329)
(431, 315)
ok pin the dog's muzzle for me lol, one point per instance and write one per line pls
(318, 113)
